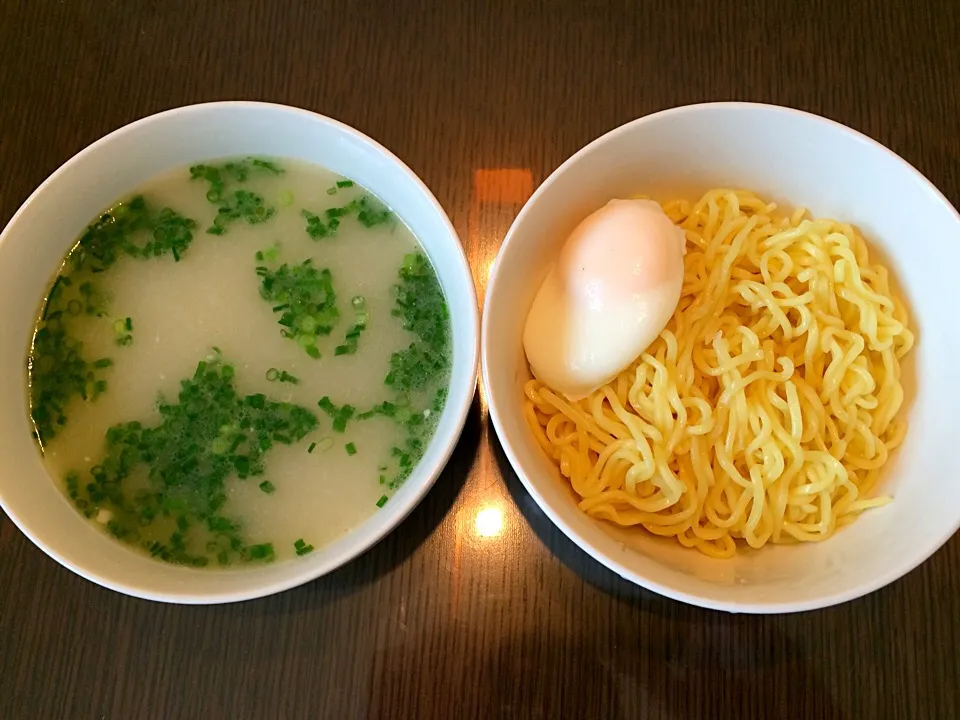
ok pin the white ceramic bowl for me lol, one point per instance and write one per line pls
(34, 243)
(797, 159)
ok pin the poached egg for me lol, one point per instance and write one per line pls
(614, 287)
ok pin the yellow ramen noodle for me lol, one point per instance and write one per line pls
(768, 406)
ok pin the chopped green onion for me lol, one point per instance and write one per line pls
(233, 171)
(305, 297)
(306, 339)
(274, 375)
(352, 337)
(269, 254)
(340, 421)
(267, 165)
(423, 309)
(311, 448)
(238, 204)
(341, 415)
(185, 462)
(316, 228)
(351, 448)
(371, 212)
(368, 210)
(382, 501)
(344, 183)
(301, 548)
(263, 552)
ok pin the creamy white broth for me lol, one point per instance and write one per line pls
(211, 298)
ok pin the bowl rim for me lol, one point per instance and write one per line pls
(608, 561)
(460, 406)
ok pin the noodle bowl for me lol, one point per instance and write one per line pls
(767, 408)
(909, 226)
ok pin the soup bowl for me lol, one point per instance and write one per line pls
(795, 159)
(45, 227)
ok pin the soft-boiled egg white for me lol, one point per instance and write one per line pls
(614, 287)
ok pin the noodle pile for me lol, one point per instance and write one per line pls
(766, 408)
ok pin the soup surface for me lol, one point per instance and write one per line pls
(239, 362)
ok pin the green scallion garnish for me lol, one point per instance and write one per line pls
(301, 548)
(423, 309)
(352, 338)
(368, 210)
(274, 375)
(122, 329)
(58, 370)
(234, 205)
(305, 298)
(341, 415)
(263, 552)
(181, 466)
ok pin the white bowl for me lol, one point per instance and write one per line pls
(797, 159)
(39, 235)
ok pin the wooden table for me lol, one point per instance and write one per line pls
(483, 99)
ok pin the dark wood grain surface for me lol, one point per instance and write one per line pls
(483, 99)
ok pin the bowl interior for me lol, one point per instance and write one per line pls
(795, 159)
(35, 241)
